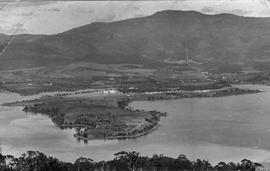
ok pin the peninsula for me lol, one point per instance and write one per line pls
(107, 115)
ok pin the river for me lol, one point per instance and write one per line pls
(218, 129)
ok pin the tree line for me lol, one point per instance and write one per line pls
(123, 161)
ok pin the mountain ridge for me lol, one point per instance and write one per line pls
(210, 39)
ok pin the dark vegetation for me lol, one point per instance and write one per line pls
(158, 86)
(123, 161)
(254, 78)
(54, 113)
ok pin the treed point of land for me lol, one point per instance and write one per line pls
(108, 116)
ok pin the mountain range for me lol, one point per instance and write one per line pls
(212, 41)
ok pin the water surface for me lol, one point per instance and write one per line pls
(218, 129)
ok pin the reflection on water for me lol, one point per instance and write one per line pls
(209, 128)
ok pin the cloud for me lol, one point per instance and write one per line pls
(265, 13)
(240, 12)
(54, 9)
(19, 27)
(108, 18)
(207, 9)
(265, 2)
(27, 14)
(50, 17)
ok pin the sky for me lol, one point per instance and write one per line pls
(51, 17)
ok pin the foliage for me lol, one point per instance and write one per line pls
(123, 161)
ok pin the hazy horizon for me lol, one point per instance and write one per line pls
(51, 17)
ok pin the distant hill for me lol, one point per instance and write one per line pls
(223, 41)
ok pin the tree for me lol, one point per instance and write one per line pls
(231, 166)
(206, 165)
(3, 164)
(247, 165)
(131, 158)
(183, 163)
(84, 164)
(36, 161)
(221, 166)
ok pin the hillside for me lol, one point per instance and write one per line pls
(222, 41)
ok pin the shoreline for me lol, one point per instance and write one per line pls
(35, 106)
(70, 92)
(229, 145)
(135, 136)
(120, 137)
(167, 95)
